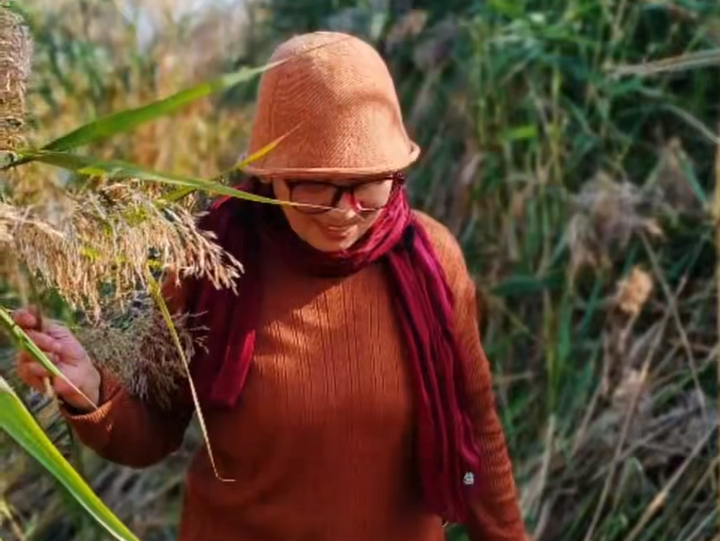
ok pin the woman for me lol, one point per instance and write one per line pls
(345, 389)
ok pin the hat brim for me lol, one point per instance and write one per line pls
(330, 172)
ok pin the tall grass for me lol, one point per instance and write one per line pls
(579, 190)
(561, 178)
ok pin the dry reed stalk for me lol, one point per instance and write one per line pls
(631, 295)
(15, 62)
(634, 399)
(693, 60)
(16, 48)
(672, 306)
(547, 457)
(661, 497)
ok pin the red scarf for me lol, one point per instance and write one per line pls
(446, 450)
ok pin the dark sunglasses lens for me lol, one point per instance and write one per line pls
(313, 195)
(373, 195)
(370, 196)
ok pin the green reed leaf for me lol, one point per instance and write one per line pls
(20, 425)
(123, 121)
(119, 169)
(184, 192)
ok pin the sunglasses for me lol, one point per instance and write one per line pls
(366, 196)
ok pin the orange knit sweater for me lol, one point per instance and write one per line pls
(320, 447)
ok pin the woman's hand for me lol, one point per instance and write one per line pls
(63, 349)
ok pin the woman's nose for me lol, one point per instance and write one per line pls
(347, 203)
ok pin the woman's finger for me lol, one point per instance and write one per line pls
(25, 318)
(24, 357)
(37, 370)
(57, 330)
(26, 374)
(44, 341)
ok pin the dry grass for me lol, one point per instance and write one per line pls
(94, 248)
(15, 63)
(137, 346)
(608, 215)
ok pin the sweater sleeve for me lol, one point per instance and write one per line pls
(126, 429)
(496, 513)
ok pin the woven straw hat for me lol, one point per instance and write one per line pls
(335, 101)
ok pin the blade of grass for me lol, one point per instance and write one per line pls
(119, 169)
(700, 59)
(184, 192)
(156, 294)
(22, 427)
(123, 121)
(24, 342)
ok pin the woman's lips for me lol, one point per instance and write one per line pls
(336, 232)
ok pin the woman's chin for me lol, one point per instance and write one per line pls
(333, 246)
(332, 242)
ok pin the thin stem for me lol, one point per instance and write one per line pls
(628, 419)
(156, 294)
(716, 216)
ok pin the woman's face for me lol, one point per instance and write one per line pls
(353, 214)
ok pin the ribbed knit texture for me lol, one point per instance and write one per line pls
(321, 444)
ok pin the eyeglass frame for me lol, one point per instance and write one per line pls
(398, 181)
